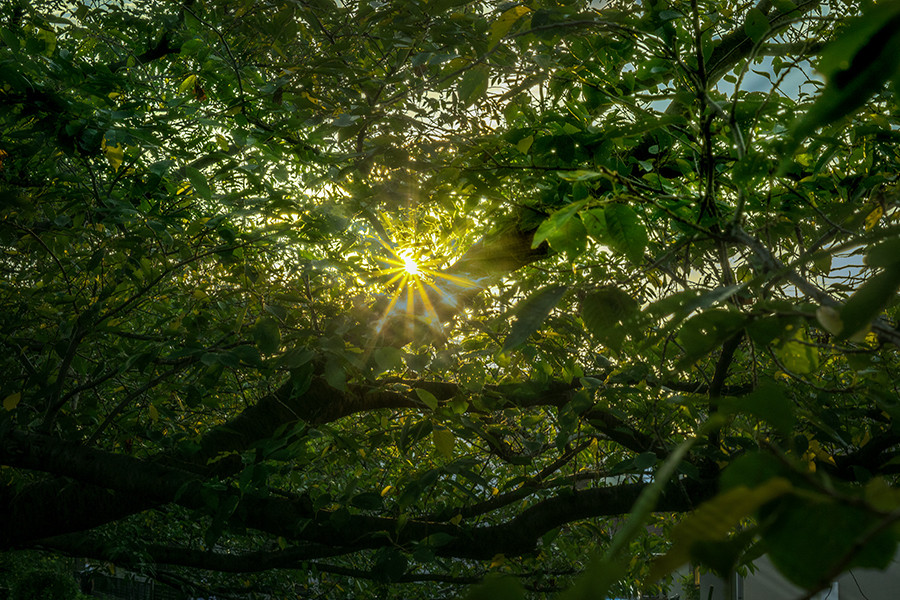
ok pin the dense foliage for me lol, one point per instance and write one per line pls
(376, 298)
(44, 584)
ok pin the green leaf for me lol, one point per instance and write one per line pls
(869, 301)
(390, 565)
(444, 440)
(335, 374)
(428, 398)
(10, 38)
(703, 333)
(267, 335)
(856, 65)
(531, 313)
(473, 85)
(884, 254)
(497, 588)
(810, 536)
(768, 403)
(605, 312)
(797, 354)
(644, 461)
(596, 580)
(198, 182)
(594, 221)
(714, 519)
(784, 6)
(756, 25)
(626, 232)
(553, 228)
(248, 355)
(368, 501)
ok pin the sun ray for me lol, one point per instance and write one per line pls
(409, 276)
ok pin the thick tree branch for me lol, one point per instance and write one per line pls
(154, 483)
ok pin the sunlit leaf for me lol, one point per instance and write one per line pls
(444, 441)
(504, 23)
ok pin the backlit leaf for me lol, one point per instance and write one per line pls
(187, 84)
(554, 227)
(797, 354)
(627, 233)
(504, 23)
(869, 300)
(11, 401)
(531, 313)
(428, 398)
(443, 440)
(714, 519)
(198, 182)
(473, 85)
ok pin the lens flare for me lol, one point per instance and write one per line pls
(416, 282)
(410, 264)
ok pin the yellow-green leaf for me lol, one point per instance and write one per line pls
(798, 355)
(524, 144)
(154, 414)
(443, 440)
(187, 84)
(501, 26)
(428, 398)
(114, 154)
(12, 400)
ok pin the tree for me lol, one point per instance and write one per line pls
(306, 295)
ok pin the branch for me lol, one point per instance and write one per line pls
(150, 482)
(771, 265)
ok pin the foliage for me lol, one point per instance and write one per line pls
(343, 298)
(44, 584)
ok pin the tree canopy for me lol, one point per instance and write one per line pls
(332, 298)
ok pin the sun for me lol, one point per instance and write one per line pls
(409, 263)
(416, 282)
